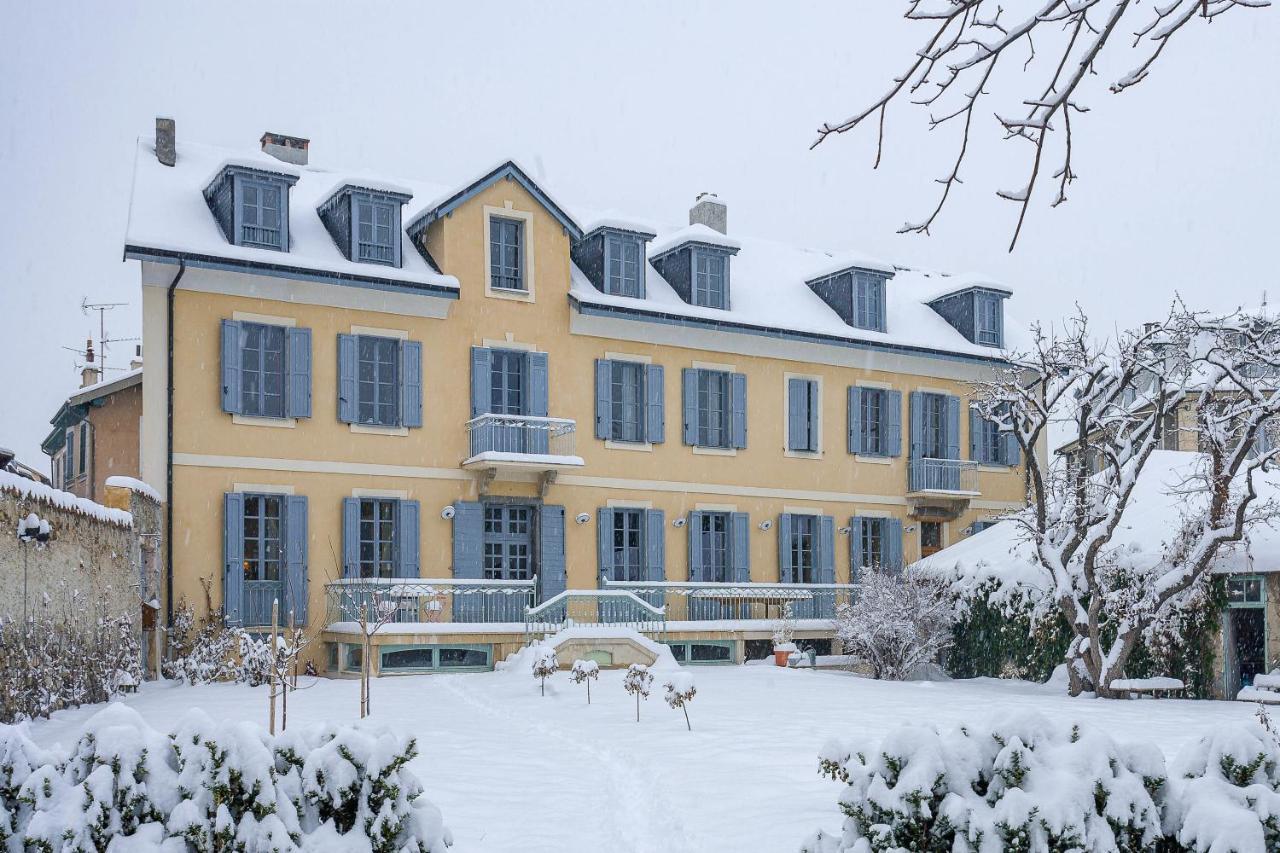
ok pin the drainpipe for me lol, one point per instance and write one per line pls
(168, 475)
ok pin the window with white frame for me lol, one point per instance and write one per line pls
(710, 279)
(375, 231)
(623, 266)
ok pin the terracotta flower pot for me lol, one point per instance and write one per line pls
(780, 657)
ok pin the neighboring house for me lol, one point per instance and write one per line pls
(497, 403)
(1248, 642)
(9, 463)
(95, 432)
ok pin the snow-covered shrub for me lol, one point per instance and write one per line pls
(215, 787)
(201, 650)
(545, 665)
(56, 658)
(1024, 784)
(898, 621)
(1225, 791)
(585, 671)
(637, 682)
(680, 692)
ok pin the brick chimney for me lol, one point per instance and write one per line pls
(710, 211)
(90, 374)
(290, 149)
(166, 141)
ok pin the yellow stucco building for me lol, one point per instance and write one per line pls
(492, 416)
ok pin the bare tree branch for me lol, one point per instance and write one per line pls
(967, 40)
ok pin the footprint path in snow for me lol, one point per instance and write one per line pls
(644, 820)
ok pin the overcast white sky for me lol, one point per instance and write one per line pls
(635, 107)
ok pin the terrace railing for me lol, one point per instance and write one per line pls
(521, 435)
(958, 476)
(421, 600)
(595, 608)
(698, 601)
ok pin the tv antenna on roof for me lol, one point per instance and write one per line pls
(102, 308)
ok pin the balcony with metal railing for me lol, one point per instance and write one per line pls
(423, 604)
(498, 442)
(693, 605)
(945, 477)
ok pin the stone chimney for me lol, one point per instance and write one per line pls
(90, 374)
(710, 211)
(136, 361)
(290, 149)
(166, 141)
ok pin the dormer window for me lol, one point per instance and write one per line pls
(988, 319)
(612, 256)
(710, 279)
(252, 206)
(975, 312)
(623, 255)
(857, 295)
(506, 253)
(365, 222)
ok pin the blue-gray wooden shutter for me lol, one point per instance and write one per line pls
(536, 402)
(797, 422)
(295, 558)
(857, 559)
(694, 525)
(975, 433)
(468, 558)
(826, 549)
(655, 546)
(481, 380)
(1012, 452)
(231, 402)
(468, 539)
(297, 348)
(689, 381)
(551, 569)
(891, 423)
(891, 536)
(655, 410)
(786, 569)
(233, 557)
(855, 419)
(351, 537)
(740, 547)
(738, 406)
(348, 367)
(604, 398)
(539, 440)
(408, 533)
(604, 542)
(953, 427)
(411, 383)
(917, 424)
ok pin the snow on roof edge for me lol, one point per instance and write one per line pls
(32, 490)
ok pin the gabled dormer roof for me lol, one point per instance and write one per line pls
(509, 170)
(692, 235)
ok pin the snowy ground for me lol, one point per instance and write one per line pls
(513, 771)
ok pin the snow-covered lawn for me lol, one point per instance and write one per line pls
(513, 771)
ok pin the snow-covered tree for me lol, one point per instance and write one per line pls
(1053, 50)
(637, 682)
(545, 665)
(1118, 398)
(680, 691)
(898, 621)
(585, 672)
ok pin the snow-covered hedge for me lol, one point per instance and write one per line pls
(1029, 784)
(215, 786)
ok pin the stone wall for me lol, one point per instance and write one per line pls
(89, 568)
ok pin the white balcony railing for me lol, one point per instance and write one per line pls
(953, 476)
(419, 600)
(521, 435)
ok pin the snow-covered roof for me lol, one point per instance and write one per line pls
(92, 392)
(767, 282)
(168, 214)
(1150, 521)
(32, 490)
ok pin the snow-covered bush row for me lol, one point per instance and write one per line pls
(53, 661)
(1030, 784)
(206, 650)
(215, 786)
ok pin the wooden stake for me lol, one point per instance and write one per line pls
(271, 672)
